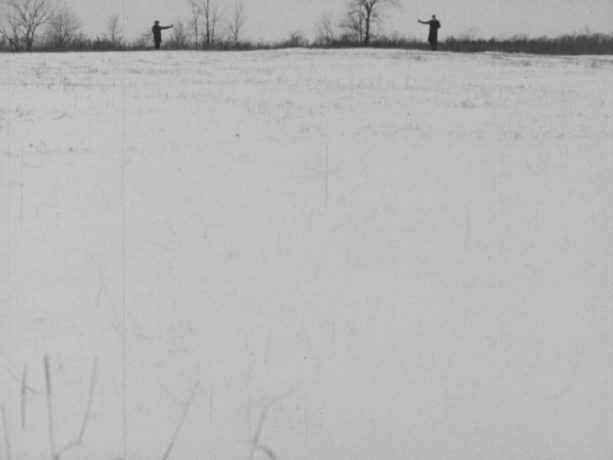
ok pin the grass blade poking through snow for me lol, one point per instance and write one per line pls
(52, 450)
(188, 404)
(255, 440)
(23, 391)
(24, 388)
(88, 411)
(7, 439)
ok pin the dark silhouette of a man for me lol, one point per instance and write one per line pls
(157, 33)
(433, 35)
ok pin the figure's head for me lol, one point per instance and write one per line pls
(434, 16)
(157, 22)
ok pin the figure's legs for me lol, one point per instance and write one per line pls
(157, 45)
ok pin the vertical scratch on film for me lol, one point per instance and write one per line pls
(326, 177)
(123, 237)
(21, 192)
(499, 265)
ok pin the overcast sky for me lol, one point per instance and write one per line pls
(275, 19)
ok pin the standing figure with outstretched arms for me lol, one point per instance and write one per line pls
(433, 35)
(157, 33)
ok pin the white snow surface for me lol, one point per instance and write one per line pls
(380, 254)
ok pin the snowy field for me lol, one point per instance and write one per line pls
(322, 255)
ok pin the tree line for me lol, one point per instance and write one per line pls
(46, 25)
(43, 24)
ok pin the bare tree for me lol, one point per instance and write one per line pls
(9, 29)
(211, 16)
(237, 22)
(204, 20)
(22, 20)
(113, 29)
(143, 41)
(363, 15)
(196, 16)
(324, 31)
(178, 39)
(354, 23)
(63, 27)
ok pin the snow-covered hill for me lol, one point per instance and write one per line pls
(349, 255)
